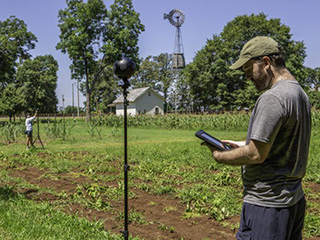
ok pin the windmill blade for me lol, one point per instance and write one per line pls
(166, 16)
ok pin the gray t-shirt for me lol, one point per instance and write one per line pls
(282, 118)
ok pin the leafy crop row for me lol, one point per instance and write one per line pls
(220, 122)
(228, 121)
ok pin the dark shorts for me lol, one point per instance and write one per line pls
(29, 133)
(266, 223)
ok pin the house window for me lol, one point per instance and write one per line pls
(139, 112)
(156, 111)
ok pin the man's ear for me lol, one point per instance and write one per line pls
(267, 62)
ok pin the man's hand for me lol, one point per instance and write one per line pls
(234, 144)
(212, 148)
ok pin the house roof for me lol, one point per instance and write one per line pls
(134, 94)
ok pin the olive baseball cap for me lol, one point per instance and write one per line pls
(256, 47)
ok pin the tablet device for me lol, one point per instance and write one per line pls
(212, 141)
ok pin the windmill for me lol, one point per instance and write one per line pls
(176, 18)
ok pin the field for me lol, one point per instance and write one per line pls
(73, 188)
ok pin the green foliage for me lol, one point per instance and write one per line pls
(122, 33)
(314, 97)
(155, 72)
(41, 221)
(235, 121)
(15, 42)
(58, 129)
(213, 85)
(94, 128)
(163, 161)
(312, 78)
(12, 100)
(81, 28)
(120, 37)
(11, 131)
(38, 77)
(106, 90)
(87, 30)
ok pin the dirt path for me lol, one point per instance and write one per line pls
(162, 214)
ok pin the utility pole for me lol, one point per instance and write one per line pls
(73, 100)
(78, 111)
(63, 105)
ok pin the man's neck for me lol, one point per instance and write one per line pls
(283, 74)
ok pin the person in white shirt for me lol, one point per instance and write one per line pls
(28, 132)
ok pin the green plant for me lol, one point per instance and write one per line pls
(11, 131)
(58, 129)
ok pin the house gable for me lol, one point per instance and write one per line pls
(141, 101)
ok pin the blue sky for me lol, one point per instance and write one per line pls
(203, 19)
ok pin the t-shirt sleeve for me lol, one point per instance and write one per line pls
(268, 118)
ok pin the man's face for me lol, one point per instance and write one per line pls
(255, 72)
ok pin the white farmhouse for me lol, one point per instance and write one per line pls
(141, 101)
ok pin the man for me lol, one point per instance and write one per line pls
(274, 155)
(29, 129)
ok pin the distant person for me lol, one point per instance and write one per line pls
(29, 129)
(274, 155)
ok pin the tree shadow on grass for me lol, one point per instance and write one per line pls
(7, 192)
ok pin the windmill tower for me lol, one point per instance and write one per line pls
(176, 18)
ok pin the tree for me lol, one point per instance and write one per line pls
(38, 78)
(89, 31)
(312, 78)
(106, 89)
(147, 74)
(314, 97)
(155, 72)
(312, 82)
(210, 80)
(122, 32)
(181, 97)
(15, 42)
(121, 37)
(81, 26)
(11, 100)
(165, 74)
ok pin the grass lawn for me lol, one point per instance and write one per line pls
(73, 188)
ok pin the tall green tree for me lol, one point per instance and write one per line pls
(213, 85)
(38, 80)
(106, 89)
(312, 82)
(165, 75)
(15, 43)
(147, 74)
(81, 26)
(12, 100)
(122, 32)
(156, 72)
(121, 35)
(312, 78)
(95, 38)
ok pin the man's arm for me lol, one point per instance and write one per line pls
(255, 152)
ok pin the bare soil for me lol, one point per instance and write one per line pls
(163, 213)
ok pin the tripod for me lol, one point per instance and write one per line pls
(38, 135)
(124, 69)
